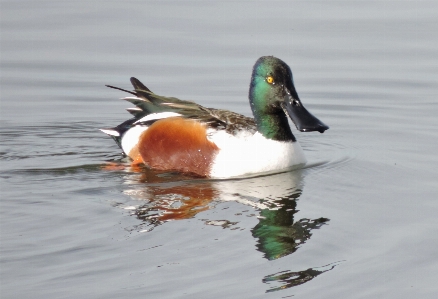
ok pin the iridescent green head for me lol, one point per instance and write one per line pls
(272, 96)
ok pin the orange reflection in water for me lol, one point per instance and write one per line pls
(165, 196)
(181, 202)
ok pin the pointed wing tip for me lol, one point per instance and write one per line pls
(134, 99)
(137, 112)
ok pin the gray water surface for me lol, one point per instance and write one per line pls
(359, 221)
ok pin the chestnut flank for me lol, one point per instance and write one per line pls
(177, 144)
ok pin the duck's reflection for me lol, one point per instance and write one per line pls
(274, 197)
(279, 235)
(174, 202)
(289, 279)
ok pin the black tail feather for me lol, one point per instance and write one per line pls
(138, 85)
(118, 88)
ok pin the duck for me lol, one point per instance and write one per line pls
(169, 134)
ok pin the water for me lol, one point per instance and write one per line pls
(358, 222)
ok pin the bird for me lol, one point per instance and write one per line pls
(169, 134)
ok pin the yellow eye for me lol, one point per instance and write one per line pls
(269, 79)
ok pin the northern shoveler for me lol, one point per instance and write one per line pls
(171, 134)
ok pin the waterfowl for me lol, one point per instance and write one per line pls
(177, 135)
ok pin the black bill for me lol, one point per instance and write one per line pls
(303, 119)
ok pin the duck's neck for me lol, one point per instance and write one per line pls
(274, 126)
(271, 121)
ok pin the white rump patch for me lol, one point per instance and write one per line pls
(111, 132)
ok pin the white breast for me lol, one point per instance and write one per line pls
(246, 154)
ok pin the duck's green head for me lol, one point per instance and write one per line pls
(272, 96)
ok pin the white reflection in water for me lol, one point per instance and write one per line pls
(271, 198)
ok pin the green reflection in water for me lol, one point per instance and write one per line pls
(171, 197)
(278, 235)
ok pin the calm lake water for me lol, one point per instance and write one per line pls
(359, 221)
